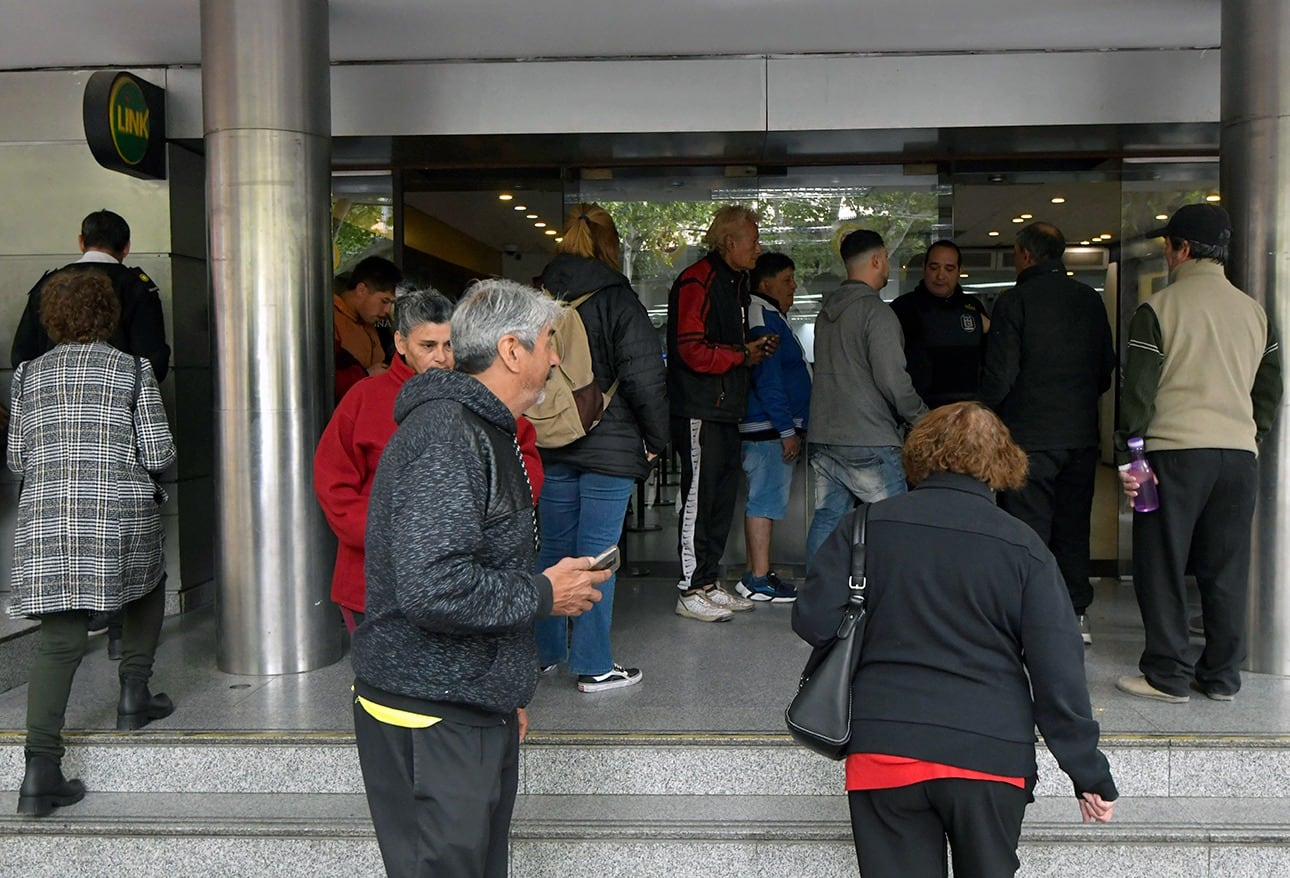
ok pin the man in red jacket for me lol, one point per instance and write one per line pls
(350, 448)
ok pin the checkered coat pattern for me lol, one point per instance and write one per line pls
(88, 533)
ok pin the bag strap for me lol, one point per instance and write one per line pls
(856, 581)
(613, 388)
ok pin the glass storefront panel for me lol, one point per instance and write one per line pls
(805, 213)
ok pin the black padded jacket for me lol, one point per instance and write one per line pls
(624, 347)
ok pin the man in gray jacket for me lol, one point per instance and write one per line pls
(445, 659)
(862, 398)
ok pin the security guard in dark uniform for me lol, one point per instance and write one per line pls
(944, 330)
(105, 242)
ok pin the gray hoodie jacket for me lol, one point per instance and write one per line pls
(862, 393)
(451, 593)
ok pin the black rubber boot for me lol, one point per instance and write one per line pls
(114, 647)
(138, 706)
(44, 788)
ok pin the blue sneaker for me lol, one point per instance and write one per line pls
(769, 588)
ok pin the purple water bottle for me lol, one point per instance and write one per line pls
(1148, 499)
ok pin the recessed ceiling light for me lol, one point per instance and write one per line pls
(1084, 243)
(530, 216)
(964, 274)
(505, 196)
(520, 207)
(1162, 216)
(1026, 215)
(992, 233)
(1213, 196)
(559, 239)
(539, 225)
(1017, 219)
(1070, 274)
(1105, 236)
(1057, 199)
(550, 231)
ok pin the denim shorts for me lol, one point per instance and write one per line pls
(770, 478)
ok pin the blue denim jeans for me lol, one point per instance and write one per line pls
(582, 514)
(845, 474)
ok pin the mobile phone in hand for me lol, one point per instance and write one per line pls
(607, 560)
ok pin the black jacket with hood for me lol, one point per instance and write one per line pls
(451, 542)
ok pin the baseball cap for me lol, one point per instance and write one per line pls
(1203, 223)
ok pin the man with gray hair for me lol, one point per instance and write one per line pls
(350, 448)
(446, 659)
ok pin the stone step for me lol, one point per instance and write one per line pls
(593, 836)
(1146, 766)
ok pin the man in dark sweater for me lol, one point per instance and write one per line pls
(445, 659)
(1049, 360)
(944, 330)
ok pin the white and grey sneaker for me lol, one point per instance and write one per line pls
(697, 606)
(718, 596)
(1085, 629)
(615, 678)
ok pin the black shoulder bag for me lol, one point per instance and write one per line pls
(820, 716)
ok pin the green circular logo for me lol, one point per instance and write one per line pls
(130, 120)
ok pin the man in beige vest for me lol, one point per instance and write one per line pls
(1202, 383)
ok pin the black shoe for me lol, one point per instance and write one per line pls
(114, 648)
(138, 706)
(44, 788)
(1211, 694)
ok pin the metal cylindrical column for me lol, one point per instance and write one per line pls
(267, 122)
(1255, 174)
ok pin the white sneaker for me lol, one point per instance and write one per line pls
(697, 606)
(719, 597)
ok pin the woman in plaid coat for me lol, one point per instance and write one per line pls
(87, 434)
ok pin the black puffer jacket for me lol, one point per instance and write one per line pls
(624, 346)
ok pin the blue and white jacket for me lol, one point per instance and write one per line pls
(779, 399)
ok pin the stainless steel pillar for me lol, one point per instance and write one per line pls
(267, 120)
(1255, 173)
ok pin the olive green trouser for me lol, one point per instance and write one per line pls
(63, 637)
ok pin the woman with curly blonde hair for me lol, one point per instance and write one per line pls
(970, 645)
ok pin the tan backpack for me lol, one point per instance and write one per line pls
(573, 403)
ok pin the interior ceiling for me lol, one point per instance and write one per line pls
(1092, 203)
(136, 33)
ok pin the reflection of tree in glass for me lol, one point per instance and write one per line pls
(359, 229)
(806, 224)
(1140, 209)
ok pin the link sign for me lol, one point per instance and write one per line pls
(125, 124)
